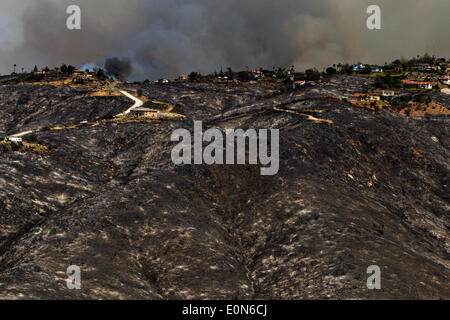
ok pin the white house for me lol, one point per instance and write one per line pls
(358, 67)
(446, 80)
(417, 84)
(376, 70)
(297, 84)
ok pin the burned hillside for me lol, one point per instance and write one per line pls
(28, 107)
(355, 188)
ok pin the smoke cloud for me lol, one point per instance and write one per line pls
(164, 38)
(118, 68)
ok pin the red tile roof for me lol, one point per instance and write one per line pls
(415, 82)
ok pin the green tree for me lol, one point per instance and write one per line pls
(70, 69)
(230, 73)
(194, 76)
(312, 74)
(63, 69)
(100, 74)
(331, 71)
(244, 76)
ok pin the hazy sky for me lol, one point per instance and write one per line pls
(169, 37)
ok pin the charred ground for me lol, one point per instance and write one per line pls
(355, 188)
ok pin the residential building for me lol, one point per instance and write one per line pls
(297, 84)
(446, 80)
(376, 70)
(297, 76)
(257, 73)
(417, 84)
(182, 77)
(386, 94)
(424, 67)
(358, 67)
(366, 97)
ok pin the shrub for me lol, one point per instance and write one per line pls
(195, 76)
(388, 82)
(312, 75)
(331, 71)
(30, 138)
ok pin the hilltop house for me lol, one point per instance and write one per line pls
(182, 77)
(297, 76)
(358, 67)
(297, 84)
(366, 97)
(446, 80)
(376, 70)
(417, 84)
(386, 94)
(257, 73)
(424, 67)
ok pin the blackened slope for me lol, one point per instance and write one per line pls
(361, 188)
(24, 108)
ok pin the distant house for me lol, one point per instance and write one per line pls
(424, 67)
(297, 76)
(446, 80)
(358, 67)
(385, 94)
(297, 84)
(143, 112)
(417, 84)
(257, 73)
(376, 70)
(82, 79)
(182, 77)
(366, 97)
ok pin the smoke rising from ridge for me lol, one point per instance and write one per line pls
(163, 38)
(118, 68)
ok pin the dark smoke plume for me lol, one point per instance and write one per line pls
(118, 68)
(164, 38)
